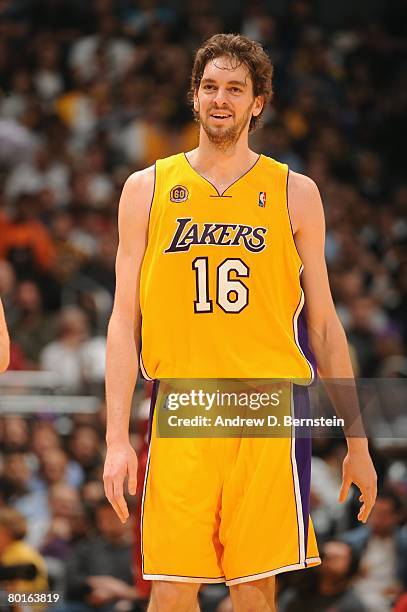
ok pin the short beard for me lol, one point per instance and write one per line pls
(224, 139)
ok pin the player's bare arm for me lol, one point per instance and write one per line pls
(326, 334)
(123, 338)
(4, 342)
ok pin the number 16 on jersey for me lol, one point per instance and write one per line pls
(232, 295)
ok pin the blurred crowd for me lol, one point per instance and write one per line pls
(54, 514)
(89, 93)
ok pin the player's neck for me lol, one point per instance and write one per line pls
(222, 165)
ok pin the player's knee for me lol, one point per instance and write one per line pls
(256, 595)
(173, 596)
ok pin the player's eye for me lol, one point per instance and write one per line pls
(235, 90)
(207, 87)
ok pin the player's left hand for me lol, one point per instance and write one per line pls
(358, 469)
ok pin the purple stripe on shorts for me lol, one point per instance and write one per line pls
(303, 448)
(303, 442)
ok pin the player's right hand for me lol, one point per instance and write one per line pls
(121, 461)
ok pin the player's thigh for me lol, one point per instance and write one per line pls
(169, 596)
(254, 596)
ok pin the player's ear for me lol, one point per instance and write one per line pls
(258, 105)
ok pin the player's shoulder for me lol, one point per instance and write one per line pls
(136, 198)
(302, 185)
(297, 183)
(148, 176)
(141, 179)
(303, 200)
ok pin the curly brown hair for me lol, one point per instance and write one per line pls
(243, 51)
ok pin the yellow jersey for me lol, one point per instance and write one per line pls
(220, 291)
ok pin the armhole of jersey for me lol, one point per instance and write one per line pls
(298, 314)
(300, 264)
(154, 198)
(150, 225)
(141, 364)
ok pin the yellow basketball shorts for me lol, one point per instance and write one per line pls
(227, 510)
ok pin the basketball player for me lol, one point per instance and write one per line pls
(212, 246)
(4, 342)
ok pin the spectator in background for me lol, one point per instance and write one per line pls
(99, 572)
(58, 541)
(64, 355)
(85, 448)
(44, 437)
(16, 434)
(92, 493)
(8, 296)
(44, 441)
(56, 467)
(27, 243)
(382, 547)
(328, 587)
(46, 447)
(14, 105)
(20, 493)
(64, 507)
(14, 551)
(118, 51)
(4, 341)
(47, 174)
(69, 257)
(100, 269)
(31, 329)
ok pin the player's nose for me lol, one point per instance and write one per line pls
(220, 97)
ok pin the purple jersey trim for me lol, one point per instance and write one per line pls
(153, 401)
(303, 338)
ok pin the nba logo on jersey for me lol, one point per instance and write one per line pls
(179, 194)
(262, 199)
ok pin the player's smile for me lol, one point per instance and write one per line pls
(220, 114)
(219, 118)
